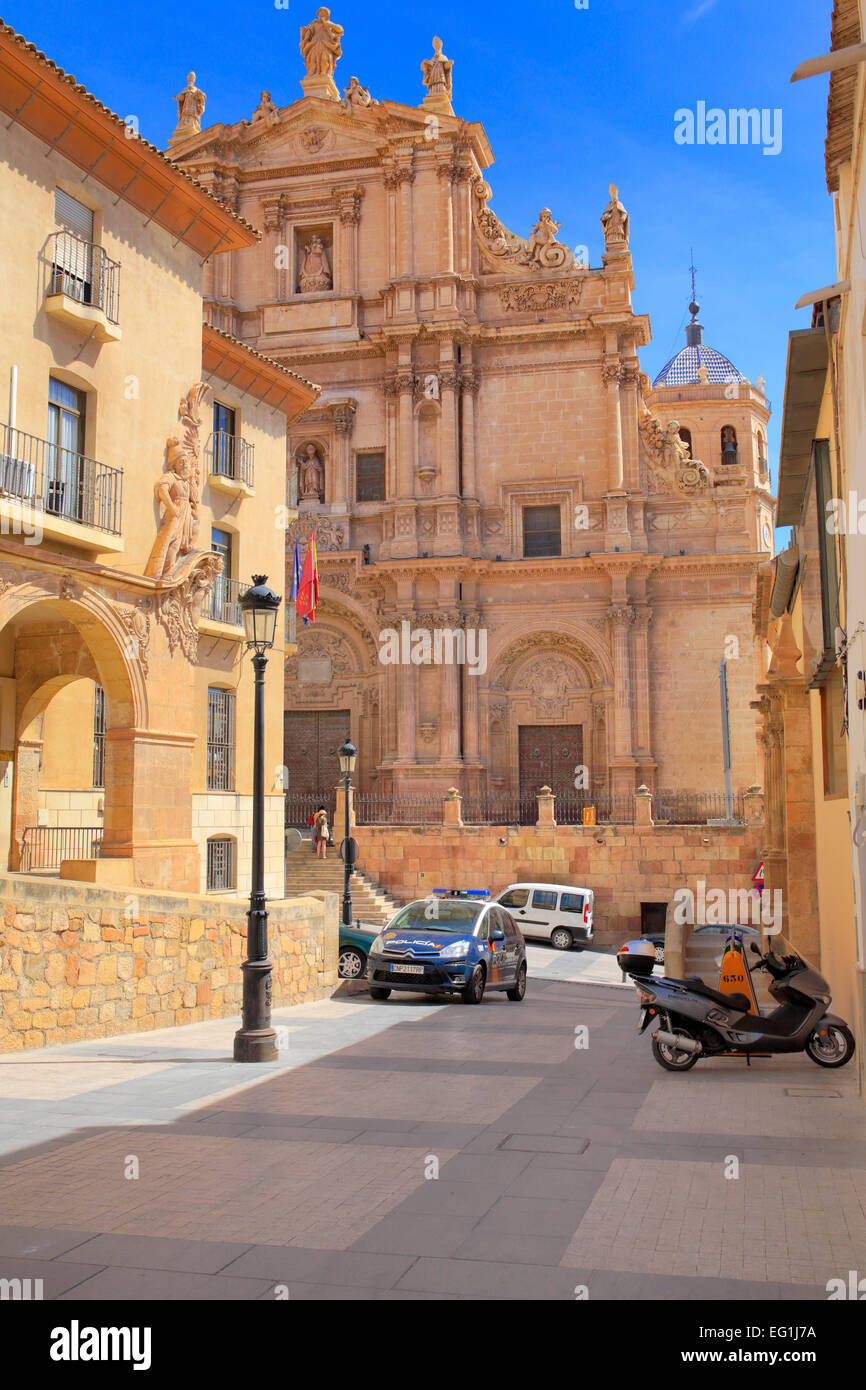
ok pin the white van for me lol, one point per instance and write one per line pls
(562, 916)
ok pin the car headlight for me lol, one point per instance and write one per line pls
(455, 951)
(378, 945)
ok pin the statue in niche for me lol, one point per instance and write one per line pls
(436, 73)
(356, 95)
(320, 44)
(614, 220)
(178, 491)
(315, 271)
(190, 109)
(266, 110)
(311, 474)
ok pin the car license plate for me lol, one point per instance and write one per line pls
(407, 970)
(641, 1020)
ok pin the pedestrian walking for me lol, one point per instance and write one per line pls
(321, 833)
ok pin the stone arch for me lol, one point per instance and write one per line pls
(582, 645)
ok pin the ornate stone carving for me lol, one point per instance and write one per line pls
(178, 491)
(329, 534)
(311, 474)
(356, 95)
(312, 139)
(70, 589)
(540, 251)
(190, 108)
(555, 295)
(542, 247)
(349, 200)
(178, 608)
(344, 418)
(436, 76)
(320, 45)
(265, 111)
(136, 620)
(550, 681)
(315, 271)
(620, 613)
(693, 477)
(614, 222)
(5, 584)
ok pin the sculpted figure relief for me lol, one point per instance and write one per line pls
(315, 273)
(178, 491)
(311, 474)
(190, 108)
(266, 110)
(614, 220)
(320, 45)
(356, 95)
(542, 247)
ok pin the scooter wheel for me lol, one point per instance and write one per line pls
(672, 1058)
(833, 1048)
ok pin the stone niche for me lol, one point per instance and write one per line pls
(314, 259)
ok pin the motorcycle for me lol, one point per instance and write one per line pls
(696, 1020)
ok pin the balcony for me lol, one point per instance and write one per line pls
(83, 289)
(221, 615)
(230, 464)
(51, 491)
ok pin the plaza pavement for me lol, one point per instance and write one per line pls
(562, 1170)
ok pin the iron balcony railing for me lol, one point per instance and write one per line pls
(223, 604)
(377, 808)
(60, 481)
(230, 456)
(500, 808)
(46, 846)
(82, 270)
(695, 808)
(301, 807)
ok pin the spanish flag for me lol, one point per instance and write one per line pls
(308, 590)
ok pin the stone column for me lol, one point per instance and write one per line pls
(620, 616)
(470, 705)
(274, 234)
(449, 712)
(640, 667)
(148, 807)
(25, 794)
(461, 197)
(404, 177)
(350, 217)
(452, 809)
(344, 423)
(611, 375)
(545, 800)
(469, 385)
(407, 715)
(643, 806)
(406, 457)
(445, 172)
(448, 462)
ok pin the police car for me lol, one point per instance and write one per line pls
(456, 942)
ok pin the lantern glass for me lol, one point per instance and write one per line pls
(348, 754)
(259, 606)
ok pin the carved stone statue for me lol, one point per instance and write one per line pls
(356, 95)
(315, 272)
(542, 247)
(190, 108)
(311, 474)
(676, 450)
(266, 110)
(320, 49)
(436, 76)
(178, 491)
(614, 222)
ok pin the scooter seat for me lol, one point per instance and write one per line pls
(739, 1002)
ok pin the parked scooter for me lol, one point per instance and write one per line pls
(698, 1021)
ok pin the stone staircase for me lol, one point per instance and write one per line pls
(702, 953)
(307, 874)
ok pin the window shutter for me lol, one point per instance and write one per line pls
(68, 212)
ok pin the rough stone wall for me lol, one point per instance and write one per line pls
(79, 962)
(631, 866)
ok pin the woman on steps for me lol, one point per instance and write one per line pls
(321, 833)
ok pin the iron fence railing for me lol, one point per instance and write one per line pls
(223, 601)
(594, 808)
(378, 808)
(82, 270)
(695, 808)
(300, 807)
(46, 846)
(230, 456)
(500, 808)
(59, 481)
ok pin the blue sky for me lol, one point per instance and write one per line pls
(571, 100)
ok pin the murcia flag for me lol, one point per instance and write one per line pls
(308, 590)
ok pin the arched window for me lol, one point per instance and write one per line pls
(763, 466)
(730, 453)
(686, 437)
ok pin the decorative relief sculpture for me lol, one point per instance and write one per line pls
(558, 294)
(436, 76)
(137, 623)
(315, 273)
(266, 110)
(320, 45)
(311, 474)
(190, 109)
(178, 609)
(541, 251)
(312, 139)
(330, 535)
(178, 491)
(614, 223)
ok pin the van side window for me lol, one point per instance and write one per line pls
(518, 897)
(542, 898)
(571, 902)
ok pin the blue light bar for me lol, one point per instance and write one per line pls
(462, 892)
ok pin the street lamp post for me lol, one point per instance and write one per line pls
(348, 753)
(256, 1040)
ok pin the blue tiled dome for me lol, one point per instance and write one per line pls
(683, 370)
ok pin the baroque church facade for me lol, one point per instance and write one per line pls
(487, 457)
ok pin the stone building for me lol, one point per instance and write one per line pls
(487, 467)
(142, 479)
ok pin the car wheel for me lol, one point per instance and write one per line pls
(519, 988)
(561, 939)
(376, 992)
(474, 990)
(351, 963)
(833, 1048)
